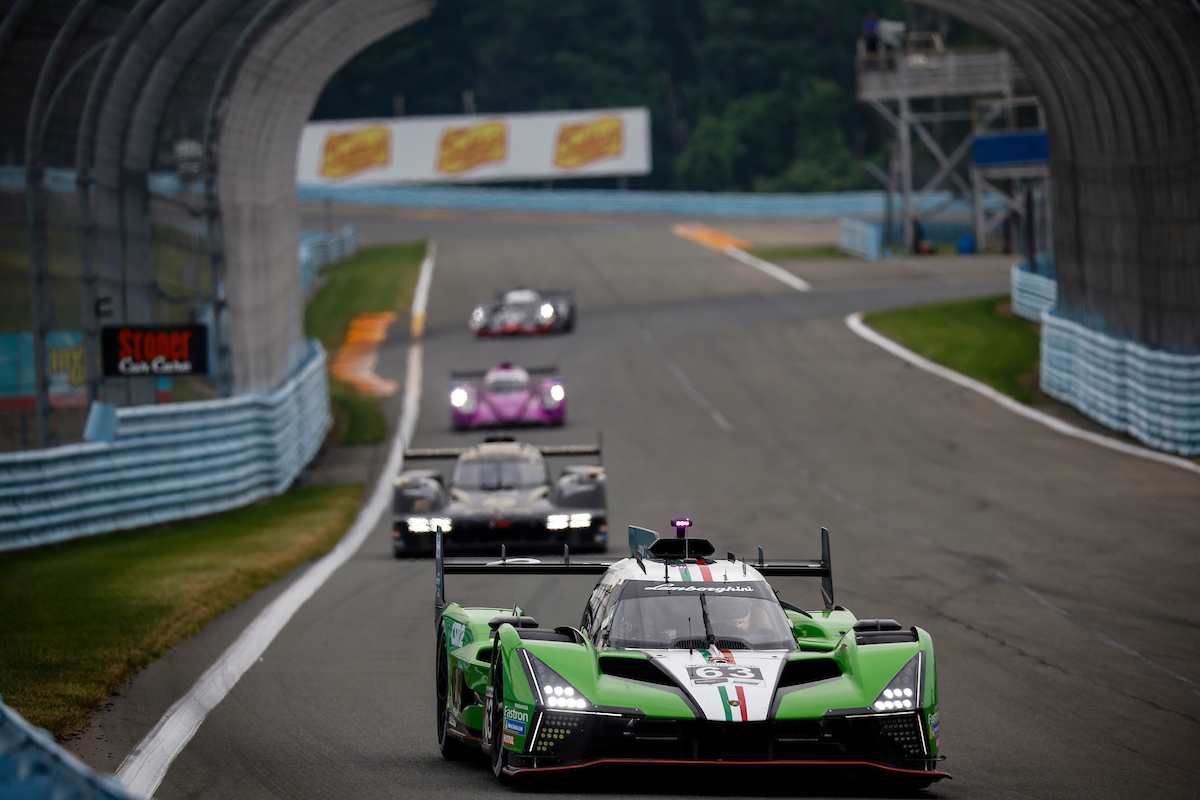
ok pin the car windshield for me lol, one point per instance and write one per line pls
(729, 616)
(507, 383)
(513, 473)
(521, 297)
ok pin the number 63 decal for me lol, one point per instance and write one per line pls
(728, 671)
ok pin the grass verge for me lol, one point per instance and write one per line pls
(979, 338)
(375, 279)
(78, 619)
(796, 252)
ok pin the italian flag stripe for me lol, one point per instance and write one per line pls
(705, 572)
(707, 655)
(684, 574)
(728, 656)
(725, 703)
(742, 704)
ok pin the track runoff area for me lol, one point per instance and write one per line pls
(1056, 577)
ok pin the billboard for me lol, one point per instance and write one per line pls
(65, 370)
(476, 148)
(129, 351)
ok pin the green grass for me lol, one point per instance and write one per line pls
(798, 252)
(979, 338)
(376, 279)
(78, 619)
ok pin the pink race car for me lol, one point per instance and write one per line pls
(506, 396)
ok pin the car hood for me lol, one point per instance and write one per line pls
(510, 406)
(500, 504)
(728, 685)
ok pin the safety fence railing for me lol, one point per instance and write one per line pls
(1032, 295)
(167, 462)
(319, 248)
(33, 767)
(1151, 395)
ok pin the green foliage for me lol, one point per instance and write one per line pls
(744, 95)
(78, 619)
(979, 338)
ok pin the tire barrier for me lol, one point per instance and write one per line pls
(319, 248)
(167, 462)
(1152, 395)
(1032, 295)
(33, 767)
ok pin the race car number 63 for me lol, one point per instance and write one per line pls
(725, 671)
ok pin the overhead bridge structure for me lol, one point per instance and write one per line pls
(101, 96)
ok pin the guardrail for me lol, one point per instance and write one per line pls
(1151, 395)
(616, 201)
(167, 462)
(33, 767)
(861, 238)
(318, 248)
(1032, 295)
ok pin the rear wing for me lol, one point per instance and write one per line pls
(543, 565)
(546, 450)
(802, 568)
(476, 374)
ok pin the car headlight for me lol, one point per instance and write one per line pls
(546, 311)
(904, 692)
(557, 522)
(459, 397)
(581, 520)
(555, 691)
(429, 525)
(478, 317)
(557, 393)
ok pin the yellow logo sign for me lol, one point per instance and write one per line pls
(353, 152)
(585, 142)
(465, 149)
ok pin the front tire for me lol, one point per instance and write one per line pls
(499, 754)
(452, 749)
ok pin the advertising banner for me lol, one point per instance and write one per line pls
(68, 375)
(476, 148)
(130, 351)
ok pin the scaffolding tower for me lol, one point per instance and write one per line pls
(920, 67)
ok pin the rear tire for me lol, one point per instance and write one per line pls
(452, 749)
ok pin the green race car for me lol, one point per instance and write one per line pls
(684, 658)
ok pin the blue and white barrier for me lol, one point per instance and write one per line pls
(1151, 395)
(167, 462)
(1032, 295)
(33, 767)
(862, 239)
(319, 248)
(616, 201)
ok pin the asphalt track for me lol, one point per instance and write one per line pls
(1037, 562)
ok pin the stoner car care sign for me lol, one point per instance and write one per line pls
(150, 350)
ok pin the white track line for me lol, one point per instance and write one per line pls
(691, 391)
(776, 272)
(855, 323)
(144, 768)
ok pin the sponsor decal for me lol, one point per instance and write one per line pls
(512, 726)
(464, 149)
(456, 633)
(582, 143)
(708, 681)
(65, 370)
(509, 740)
(518, 714)
(144, 350)
(933, 725)
(718, 589)
(709, 672)
(352, 152)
